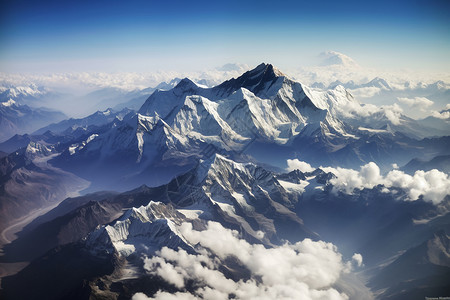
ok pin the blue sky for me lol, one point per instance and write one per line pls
(136, 35)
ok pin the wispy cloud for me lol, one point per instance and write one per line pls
(421, 103)
(122, 80)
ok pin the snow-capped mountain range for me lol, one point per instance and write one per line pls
(174, 128)
(203, 203)
(17, 118)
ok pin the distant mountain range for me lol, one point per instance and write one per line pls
(17, 118)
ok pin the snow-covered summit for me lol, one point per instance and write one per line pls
(8, 103)
(333, 58)
(258, 81)
(144, 230)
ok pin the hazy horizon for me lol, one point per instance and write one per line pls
(141, 36)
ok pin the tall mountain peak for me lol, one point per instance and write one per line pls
(256, 80)
(269, 69)
(186, 84)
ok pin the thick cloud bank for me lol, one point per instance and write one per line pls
(122, 80)
(432, 185)
(304, 270)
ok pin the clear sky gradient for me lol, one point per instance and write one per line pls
(138, 35)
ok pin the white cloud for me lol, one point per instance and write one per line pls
(441, 115)
(165, 296)
(88, 81)
(347, 179)
(333, 58)
(357, 259)
(233, 67)
(351, 109)
(420, 103)
(371, 173)
(432, 185)
(304, 270)
(365, 92)
(366, 112)
(393, 113)
(328, 71)
(295, 164)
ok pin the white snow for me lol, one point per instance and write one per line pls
(9, 103)
(190, 116)
(191, 213)
(294, 187)
(91, 138)
(144, 229)
(140, 144)
(240, 198)
(72, 149)
(373, 130)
